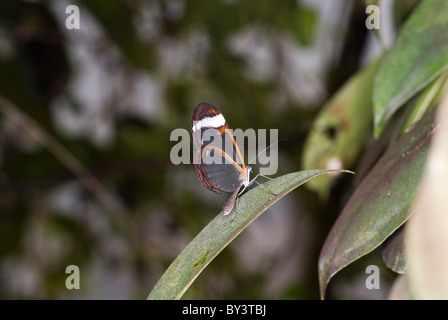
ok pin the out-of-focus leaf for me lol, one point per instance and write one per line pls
(419, 55)
(341, 129)
(381, 203)
(426, 99)
(306, 23)
(394, 256)
(402, 9)
(221, 231)
(427, 239)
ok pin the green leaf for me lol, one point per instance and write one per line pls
(341, 129)
(380, 204)
(222, 230)
(419, 55)
(426, 99)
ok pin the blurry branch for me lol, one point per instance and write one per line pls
(42, 137)
(86, 178)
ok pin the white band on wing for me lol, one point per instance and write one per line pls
(207, 122)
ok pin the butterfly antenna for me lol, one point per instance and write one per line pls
(265, 149)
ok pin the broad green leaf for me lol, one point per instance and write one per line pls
(340, 130)
(427, 236)
(419, 55)
(222, 230)
(380, 204)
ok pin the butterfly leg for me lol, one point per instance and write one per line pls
(260, 175)
(235, 211)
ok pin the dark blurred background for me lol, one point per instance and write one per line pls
(85, 172)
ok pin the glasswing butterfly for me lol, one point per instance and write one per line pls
(218, 160)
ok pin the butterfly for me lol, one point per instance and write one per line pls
(218, 161)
